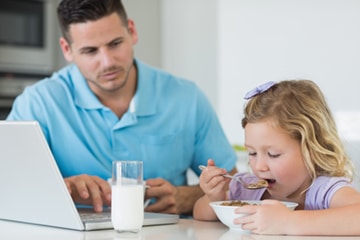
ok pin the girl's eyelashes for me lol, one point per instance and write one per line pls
(252, 154)
(273, 155)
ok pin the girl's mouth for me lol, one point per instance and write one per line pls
(270, 181)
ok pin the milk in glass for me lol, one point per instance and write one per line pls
(127, 212)
(127, 203)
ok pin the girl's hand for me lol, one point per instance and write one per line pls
(271, 217)
(213, 183)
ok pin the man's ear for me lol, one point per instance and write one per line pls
(66, 49)
(132, 31)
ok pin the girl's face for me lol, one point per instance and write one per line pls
(276, 157)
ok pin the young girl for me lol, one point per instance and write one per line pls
(293, 144)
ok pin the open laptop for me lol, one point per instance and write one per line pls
(32, 188)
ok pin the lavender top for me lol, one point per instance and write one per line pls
(317, 197)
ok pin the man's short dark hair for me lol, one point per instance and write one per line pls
(80, 11)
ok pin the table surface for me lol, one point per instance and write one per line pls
(185, 229)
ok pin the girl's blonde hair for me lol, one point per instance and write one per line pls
(300, 109)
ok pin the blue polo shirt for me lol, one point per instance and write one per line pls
(170, 125)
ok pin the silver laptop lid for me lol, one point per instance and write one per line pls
(32, 188)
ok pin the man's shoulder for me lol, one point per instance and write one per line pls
(162, 77)
(59, 80)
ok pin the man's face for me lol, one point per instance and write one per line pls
(103, 51)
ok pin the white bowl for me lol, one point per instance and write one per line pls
(226, 214)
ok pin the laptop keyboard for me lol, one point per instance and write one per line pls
(89, 215)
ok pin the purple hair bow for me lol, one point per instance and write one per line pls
(259, 89)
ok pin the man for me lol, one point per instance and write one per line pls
(109, 106)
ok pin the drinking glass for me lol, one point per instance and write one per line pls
(127, 204)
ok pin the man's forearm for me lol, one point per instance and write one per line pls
(186, 196)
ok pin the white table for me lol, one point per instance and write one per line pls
(185, 229)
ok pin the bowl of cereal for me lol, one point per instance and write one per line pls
(225, 210)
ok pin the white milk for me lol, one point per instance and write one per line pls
(127, 207)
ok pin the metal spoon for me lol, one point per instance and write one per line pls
(257, 185)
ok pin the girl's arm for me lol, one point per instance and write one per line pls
(215, 188)
(333, 221)
(342, 218)
(203, 211)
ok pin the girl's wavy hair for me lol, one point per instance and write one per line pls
(80, 11)
(299, 108)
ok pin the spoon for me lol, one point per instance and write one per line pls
(257, 185)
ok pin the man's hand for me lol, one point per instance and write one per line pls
(171, 199)
(90, 190)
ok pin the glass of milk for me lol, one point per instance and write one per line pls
(127, 204)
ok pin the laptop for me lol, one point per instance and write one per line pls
(32, 187)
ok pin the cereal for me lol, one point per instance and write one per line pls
(235, 203)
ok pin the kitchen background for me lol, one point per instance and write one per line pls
(229, 46)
